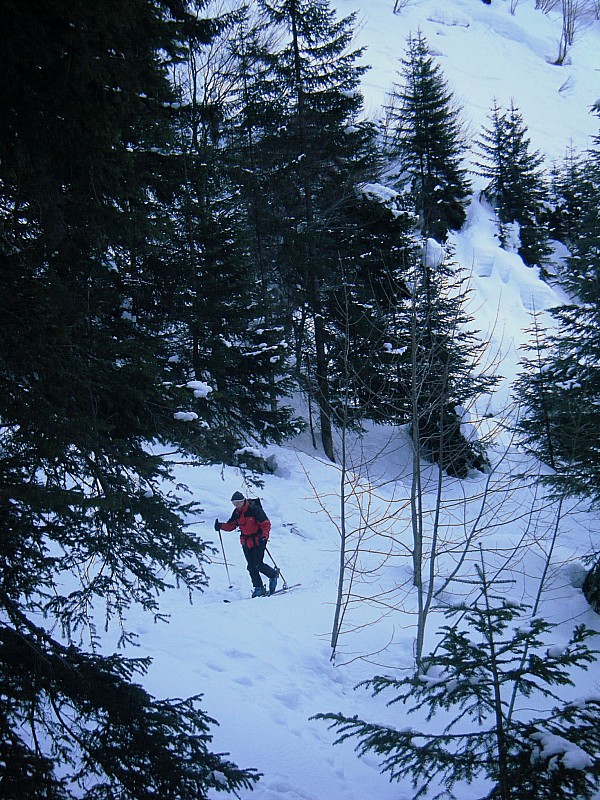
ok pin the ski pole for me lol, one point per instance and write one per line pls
(225, 560)
(277, 568)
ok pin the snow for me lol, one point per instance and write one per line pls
(264, 665)
(434, 253)
(558, 748)
(185, 416)
(381, 193)
(248, 451)
(199, 388)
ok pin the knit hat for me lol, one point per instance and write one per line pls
(237, 496)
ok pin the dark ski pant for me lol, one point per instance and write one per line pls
(254, 558)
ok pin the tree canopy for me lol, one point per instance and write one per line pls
(87, 517)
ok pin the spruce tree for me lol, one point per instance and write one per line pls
(254, 114)
(489, 650)
(377, 247)
(299, 116)
(226, 340)
(559, 384)
(568, 196)
(582, 195)
(516, 186)
(227, 337)
(428, 138)
(439, 366)
(558, 388)
(89, 518)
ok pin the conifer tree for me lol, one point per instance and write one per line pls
(428, 138)
(301, 124)
(227, 338)
(558, 387)
(377, 248)
(89, 518)
(582, 196)
(487, 649)
(440, 365)
(560, 381)
(254, 114)
(568, 196)
(400, 322)
(517, 188)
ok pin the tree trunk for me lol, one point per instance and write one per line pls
(312, 258)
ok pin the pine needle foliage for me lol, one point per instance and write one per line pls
(299, 120)
(560, 385)
(569, 198)
(440, 365)
(111, 738)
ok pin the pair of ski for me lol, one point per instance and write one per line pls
(283, 590)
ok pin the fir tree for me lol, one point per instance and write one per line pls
(377, 247)
(568, 196)
(516, 189)
(440, 364)
(581, 275)
(560, 383)
(309, 150)
(88, 517)
(255, 111)
(558, 387)
(428, 138)
(489, 651)
(228, 339)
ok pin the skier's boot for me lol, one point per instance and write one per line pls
(259, 591)
(273, 582)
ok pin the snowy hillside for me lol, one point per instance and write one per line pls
(264, 665)
(486, 53)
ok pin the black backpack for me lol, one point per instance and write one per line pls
(255, 508)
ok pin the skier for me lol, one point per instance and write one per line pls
(254, 525)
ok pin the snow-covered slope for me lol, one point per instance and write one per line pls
(489, 55)
(486, 53)
(264, 665)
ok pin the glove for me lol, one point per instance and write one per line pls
(217, 525)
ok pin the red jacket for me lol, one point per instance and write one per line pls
(252, 522)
